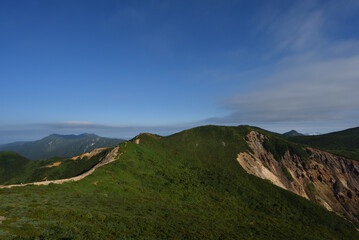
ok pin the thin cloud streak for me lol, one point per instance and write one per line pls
(316, 77)
(317, 91)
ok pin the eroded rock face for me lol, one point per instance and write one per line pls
(330, 180)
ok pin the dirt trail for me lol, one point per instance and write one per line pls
(106, 160)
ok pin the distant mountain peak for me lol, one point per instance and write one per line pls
(293, 133)
(61, 145)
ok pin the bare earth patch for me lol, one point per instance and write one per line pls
(53, 165)
(89, 154)
(2, 218)
(255, 167)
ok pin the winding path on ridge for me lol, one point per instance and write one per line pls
(112, 156)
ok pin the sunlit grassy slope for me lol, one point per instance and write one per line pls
(185, 186)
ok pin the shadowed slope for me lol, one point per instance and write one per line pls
(11, 165)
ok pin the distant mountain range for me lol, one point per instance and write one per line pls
(57, 145)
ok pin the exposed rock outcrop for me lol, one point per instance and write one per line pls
(329, 180)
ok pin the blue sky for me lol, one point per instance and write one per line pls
(117, 68)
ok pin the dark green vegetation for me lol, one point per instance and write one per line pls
(57, 145)
(11, 165)
(287, 173)
(279, 146)
(15, 169)
(185, 186)
(344, 143)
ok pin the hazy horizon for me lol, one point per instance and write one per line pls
(127, 132)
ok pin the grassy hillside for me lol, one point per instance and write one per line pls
(11, 165)
(57, 145)
(185, 186)
(15, 169)
(344, 143)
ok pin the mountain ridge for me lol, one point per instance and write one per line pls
(188, 185)
(343, 143)
(110, 157)
(57, 145)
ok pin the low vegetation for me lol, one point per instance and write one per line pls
(16, 169)
(185, 186)
(11, 165)
(287, 173)
(278, 146)
(344, 143)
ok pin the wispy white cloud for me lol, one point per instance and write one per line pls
(74, 124)
(298, 29)
(315, 76)
(318, 91)
(305, 25)
(79, 123)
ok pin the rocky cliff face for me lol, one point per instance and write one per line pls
(329, 180)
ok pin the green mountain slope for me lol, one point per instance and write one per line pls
(185, 186)
(57, 145)
(11, 165)
(16, 169)
(344, 143)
